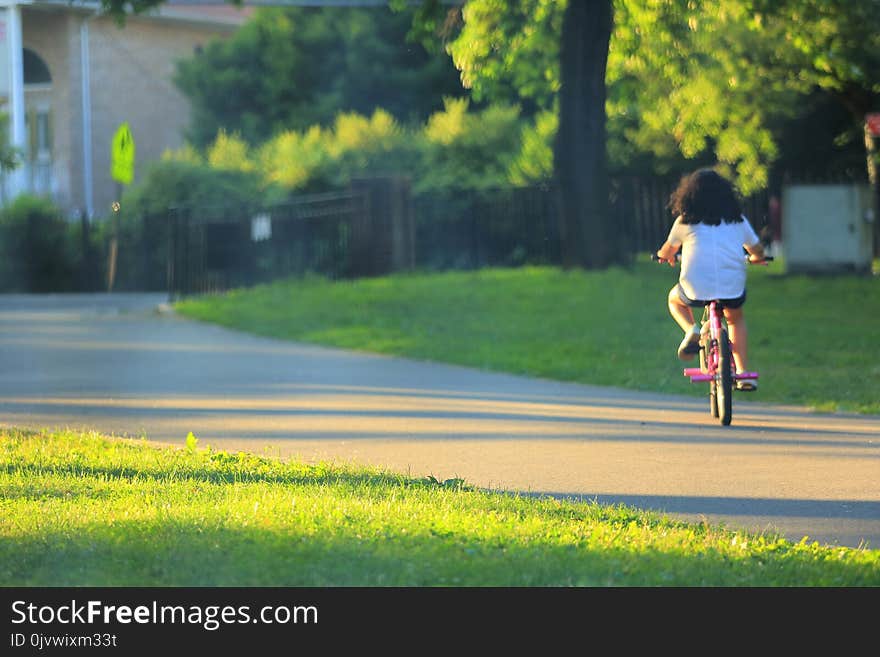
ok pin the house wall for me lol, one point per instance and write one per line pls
(131, 70)
(54, 36)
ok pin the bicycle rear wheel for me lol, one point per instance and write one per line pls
(724, 380)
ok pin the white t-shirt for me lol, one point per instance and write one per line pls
(713, 264)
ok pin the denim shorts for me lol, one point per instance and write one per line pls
(698, 303)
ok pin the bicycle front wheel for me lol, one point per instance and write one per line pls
(724, 380)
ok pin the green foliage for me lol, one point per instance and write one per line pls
(679, 86)
(474, 150)
(181, 182)
(294, 67)
(229, 153)
(839, 41)
(187, 153)
(375, 145)
(297, 160)
(354, 133)
(456, 147)
(120, 9)
(36, 247)
(835, 49)
(319, 158)
(432, 20)
(534, 163)
(689, 84)
(509, 52)
(821, 138)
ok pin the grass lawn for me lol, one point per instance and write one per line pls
(814, 340)
(88, 510)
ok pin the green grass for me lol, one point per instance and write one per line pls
(89, 510)
(814, 340)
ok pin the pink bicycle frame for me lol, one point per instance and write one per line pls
(696, 374)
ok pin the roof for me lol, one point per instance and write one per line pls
(209, 12)
(215, 12)
(205, 12)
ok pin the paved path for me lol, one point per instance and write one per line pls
(116, 364)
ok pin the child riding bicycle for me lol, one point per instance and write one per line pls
(711, 231)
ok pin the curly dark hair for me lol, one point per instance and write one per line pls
(705, 196)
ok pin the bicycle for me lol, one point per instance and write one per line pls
(716, 359)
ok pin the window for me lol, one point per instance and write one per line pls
(35, 69)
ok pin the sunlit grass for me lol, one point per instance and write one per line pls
(84, 509)
(812, 339)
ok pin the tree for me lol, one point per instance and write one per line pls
(697, 81)
(839, 42)
(549, 55)
(290, 68)
(702, 81)
(679, 82)
(579, 153)
(687, 83)
(580, 164)
(509, 52)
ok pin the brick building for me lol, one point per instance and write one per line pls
(69, 77)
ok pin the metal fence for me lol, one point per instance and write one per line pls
(469, 229)
(211, 249)
(215, 249)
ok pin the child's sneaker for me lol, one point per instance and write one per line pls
(746, 385)
(690, 345)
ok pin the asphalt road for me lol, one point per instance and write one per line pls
(118, 364)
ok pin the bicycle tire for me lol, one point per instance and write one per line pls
(713, 399)
(724, 380)
(704, 367)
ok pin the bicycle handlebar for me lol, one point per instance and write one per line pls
(764, 260)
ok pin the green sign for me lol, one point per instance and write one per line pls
(122, 155)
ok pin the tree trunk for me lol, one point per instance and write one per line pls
(579, 157)
(859, 101)
(874, 180)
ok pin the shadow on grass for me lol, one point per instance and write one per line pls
(175, 554)
(222, 476)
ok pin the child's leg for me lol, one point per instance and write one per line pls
(736, 325)
(684, 317)
(680, 311)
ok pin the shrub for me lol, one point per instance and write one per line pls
(182, 182)
(534, 163)
(320, 159)
(470, 150)
(297, 161)
(37, 247)
(229, 152)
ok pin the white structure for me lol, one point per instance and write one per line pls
(827, 228)
(12, 80)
